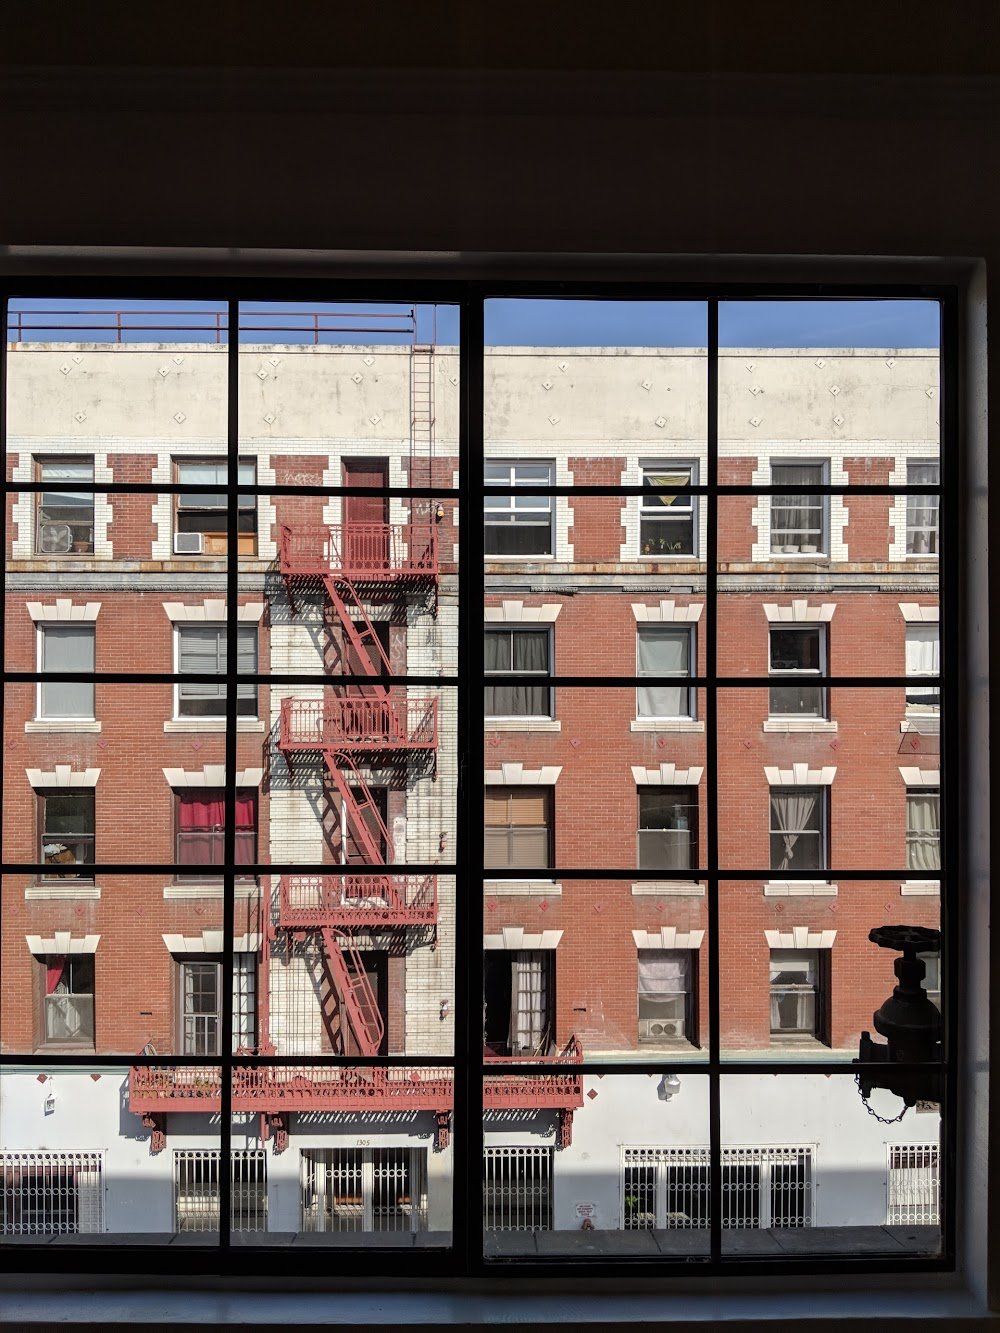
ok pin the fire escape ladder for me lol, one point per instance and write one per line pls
(357, 810)
(362, 637)
(359, 1000)
(422, 414)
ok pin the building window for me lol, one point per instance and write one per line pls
(66, 648)
(667, 995)
(922, 510)
(667, 516)
(196, 1189)
(798, 522)
(201, 650)
(668, 828)
(201, 518)
(798, 982)
(932, 977)
(64, 520)
(201, 1004)
(797, 652)
(923, 658)
(668, 1189)
(69, 999)
(517, 1189)
(52, 1193)
(665, 650)
(201, 827)
(518, 525)
(519, 1001)
(518, 828)
(923, 831)
(914, 1185)
(798, 828)
(364, 1189)
(519, 652)
(66, 827)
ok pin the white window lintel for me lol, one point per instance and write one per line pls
(921, 777)
(666, 775)
(666, 612)
(62, 942)
(800, 937)
(63, 775)
(799, 612)
(516, 775)
(516, 937)
(62, 610)
(513, 613)
(668, 937)
(800, 775)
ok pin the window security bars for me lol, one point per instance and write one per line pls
(517, 1189)
(52, 1193)
(914, 1185)
(196, 1189)
(364, 1189)
(669, 1188)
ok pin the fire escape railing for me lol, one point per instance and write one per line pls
(310, 902)
(361, 551)
(395, 722)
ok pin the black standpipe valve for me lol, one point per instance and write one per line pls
(909, 1021)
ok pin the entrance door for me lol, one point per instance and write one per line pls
(366, 517)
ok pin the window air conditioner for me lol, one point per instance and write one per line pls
(659, 1029)
(189, 543)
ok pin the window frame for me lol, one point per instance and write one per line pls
(43, 795)
(655, 514)
(927, 700)
(663, 631)
(823, 802)
(822, 631)
(547, 795)
(692, 804)
(912, 506)
(42, 629)
(819, 1031)
(550, 508)
(782, 501)
(247, 542)
(247, 691)
(87, 545)
(510, 675)
(73, 963)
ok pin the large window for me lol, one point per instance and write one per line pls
(518, 827)
(665, 651)
(201, 517)
(798, 828)
(66, 648)
(201, 827)
(922, 510)
(668, 995)
(667, 516)
(201, 650)
(524, 653)
(923, 658)
(798, 993)
(923, 831)
(797, 653)
(518, 525)
(668, 828)
(798, 521)
(66, 824)
(68, 1003)
(51, 1193)
(65, 518)
(196, 1190)
(201, 1004)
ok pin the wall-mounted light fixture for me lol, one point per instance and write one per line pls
(668, 1086)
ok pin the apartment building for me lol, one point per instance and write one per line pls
(597, 810)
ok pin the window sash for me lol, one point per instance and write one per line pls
(66, 648)
(525, 653)
(664, 651)
(202, 650)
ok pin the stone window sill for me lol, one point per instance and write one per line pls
(51, 726)
(522, 888)
(920, 888)
(521, 724)
(61, 892)
(799, 888)
(210, 724)
(800, 726)
(181, 892)
(673, 725)
(668, 888)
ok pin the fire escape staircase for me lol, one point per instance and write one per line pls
(357, 995)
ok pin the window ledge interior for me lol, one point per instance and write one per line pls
(60, 892)
(800, 888)
(211, 724)
(50, 726)
(666, 724)
(920, 888)
(671, 888)
(800, 726)
(522, 888)
(520, 724)
(179, 892)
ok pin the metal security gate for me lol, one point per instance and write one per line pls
(364, 1189)
(517, 1189)
(669, 1188)
(52, 1193)
(914, 1185)
(196, 1190)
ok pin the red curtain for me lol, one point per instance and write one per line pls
(53, 972)
(202, 822)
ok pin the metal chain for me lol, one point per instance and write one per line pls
(883, 1120)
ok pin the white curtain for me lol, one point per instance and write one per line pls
(792, 813)
(529, 1004)
(923, 658)
(664, 979)
(923, 831)
(663, 654)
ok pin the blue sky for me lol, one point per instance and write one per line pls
(521, 322)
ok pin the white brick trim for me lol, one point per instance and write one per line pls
(63, 776)
(668, 937)
(524, 888)
(62, 942)
(920, 888)
(668, 888)
(63, 609)
(800, 937)
(667, 612)
(799, 612)
(914, 613)
(211, 609)
(516, 775)
(54, 893)
(516, 937)
(791, 726)
(921, 777)
(512, 613)
(799, 775)
(667, 775)
(211, 941)
(799, 888)
(212, 775)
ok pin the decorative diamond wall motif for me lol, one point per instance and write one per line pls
(546, 384)
(890, 361)
(262, 374)
(929, 393)
(755, 421)
(751, 365)
(78, 360)
(274, 360)
(834, 389)
(374, 418)
(179, 417)
(562, 366)
(269, 418)
(661, 422)
(368, 360)
(66, 368)
(839, 420)
(177, 360)
(821, 363)
(554, 419)
(80, 416)
(755, 389)
(357, 377)
(164, 371)
(647, 385)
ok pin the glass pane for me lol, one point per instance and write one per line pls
(582, 1165)
(807, 1172)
